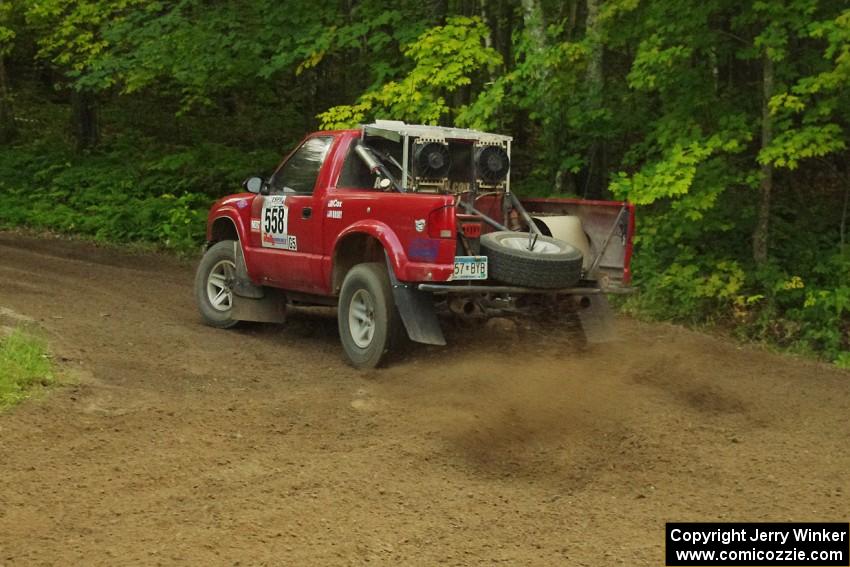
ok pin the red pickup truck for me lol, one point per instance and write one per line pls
(397, 224)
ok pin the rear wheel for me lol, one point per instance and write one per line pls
(367, 316)
(214, 285)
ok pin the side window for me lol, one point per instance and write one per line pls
(299, 173)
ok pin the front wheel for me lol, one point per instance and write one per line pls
(367, 315)
(214, 285)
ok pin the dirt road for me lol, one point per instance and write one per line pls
(184, 444)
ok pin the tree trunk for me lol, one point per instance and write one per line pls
(84, 119)
(504, 20)
(488, 39)
(594, 80)
(534, 26)
(594, 63)
(532, 15)
(843, 231)
(8, 129)
(572, 20)
(441, 10)
(488, 43)
(760, 235)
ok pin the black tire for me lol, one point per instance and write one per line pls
(560, 267)
(218, 258)
(364, 283)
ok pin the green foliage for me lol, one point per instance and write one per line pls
(70, 31)
(674, 174)
(815, 111)
(659, 102)
(199, 51)
(7, 34)
(796, 145)
(24, 364)
(444, 58)
(157, 199)
(687, 290)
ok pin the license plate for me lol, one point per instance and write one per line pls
(470, 268)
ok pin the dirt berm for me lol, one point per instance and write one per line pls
(182, 444)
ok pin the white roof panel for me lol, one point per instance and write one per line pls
(396, 130)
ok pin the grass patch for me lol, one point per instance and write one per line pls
(24, 367)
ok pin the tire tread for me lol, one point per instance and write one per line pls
(549, 271)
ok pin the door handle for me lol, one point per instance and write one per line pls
(306, 212)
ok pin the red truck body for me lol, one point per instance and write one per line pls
(322, 221)
(397, 224)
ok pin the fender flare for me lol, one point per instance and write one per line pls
(397, 257)
(244, 252)
(230, 214)
(415, 307)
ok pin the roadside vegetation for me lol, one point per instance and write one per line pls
(24, 366)
(725, 122)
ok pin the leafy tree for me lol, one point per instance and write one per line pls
(813, 113)
(726, 122)
(70, 36)
(445, 58)
(7, 37)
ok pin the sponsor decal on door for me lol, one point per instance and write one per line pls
(275, 221)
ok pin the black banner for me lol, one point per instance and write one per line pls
(762, 544)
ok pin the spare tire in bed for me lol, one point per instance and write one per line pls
(552, 264)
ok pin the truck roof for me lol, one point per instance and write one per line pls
(395, 130)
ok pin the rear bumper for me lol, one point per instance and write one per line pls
(424, 272)
(473, 288)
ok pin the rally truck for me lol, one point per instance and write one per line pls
(400, 226)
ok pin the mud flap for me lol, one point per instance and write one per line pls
(271, 308)
(597, 320)
(243, 287)
(417, 312)
(253, 302)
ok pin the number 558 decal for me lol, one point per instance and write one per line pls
(274, 221)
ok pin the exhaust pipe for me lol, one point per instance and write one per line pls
(465, 308)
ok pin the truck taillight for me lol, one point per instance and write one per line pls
(441, 222)
(471, 229)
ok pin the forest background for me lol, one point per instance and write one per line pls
(726, 122)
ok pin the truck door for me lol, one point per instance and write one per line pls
(289, 246)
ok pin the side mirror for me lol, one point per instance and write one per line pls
(254, 184)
